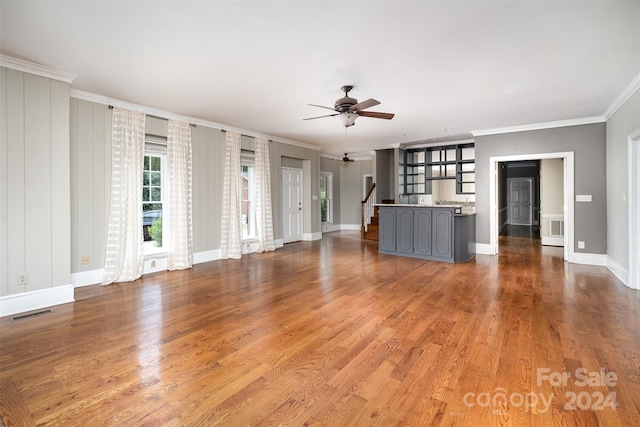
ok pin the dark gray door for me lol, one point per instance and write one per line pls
(519, 201)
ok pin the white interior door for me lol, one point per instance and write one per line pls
(519, 201)
(291, 205)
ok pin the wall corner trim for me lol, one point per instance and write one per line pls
(619, 271)
(33, 300)
(627, 93)
(37, 69)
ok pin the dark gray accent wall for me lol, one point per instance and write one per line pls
(383, 160)
(588, 144)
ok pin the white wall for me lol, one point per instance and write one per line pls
(625, 121)
(551, 193)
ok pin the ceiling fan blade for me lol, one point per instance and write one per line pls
(364, 105)
(320, 117)
(322, 106)
(376, 115)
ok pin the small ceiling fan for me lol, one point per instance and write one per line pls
(346, 158)
(349, 109)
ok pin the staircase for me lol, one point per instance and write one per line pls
(371, 232)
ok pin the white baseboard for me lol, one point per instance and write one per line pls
(589, 259)
(311, 236)
(279, 243)
(350, 227)
(206, 256)
(553, 241)
(33, 300)
(328, 228)
(619, 271)
(484, 249)
(86, 278)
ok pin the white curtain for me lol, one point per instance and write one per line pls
(125, 254)
(231, 238)
(177, 224)
(264, 217)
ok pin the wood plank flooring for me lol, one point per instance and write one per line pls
(332, 333)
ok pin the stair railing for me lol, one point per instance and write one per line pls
(366, 209)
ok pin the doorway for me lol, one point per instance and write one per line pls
(291, 205)
(568, 197)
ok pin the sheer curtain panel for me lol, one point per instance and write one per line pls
(264, 217)
(125, 256)
(177, 226)
(231, 236)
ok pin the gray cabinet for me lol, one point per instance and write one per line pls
(442, 234)
(426, 232)
(387, 221)
(404, 225)
(422, 231)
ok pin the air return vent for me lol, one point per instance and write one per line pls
(28, 315)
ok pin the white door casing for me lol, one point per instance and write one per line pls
(634, 209)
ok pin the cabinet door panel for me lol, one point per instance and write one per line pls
(404, 237)
(422, 231)
(387, 238)
(442, 234)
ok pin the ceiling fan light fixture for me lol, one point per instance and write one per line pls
(347, 119)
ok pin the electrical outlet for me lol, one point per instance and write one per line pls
(23, 278)
(583, 197)
(85, 260)
(580, 244)
(153, 263)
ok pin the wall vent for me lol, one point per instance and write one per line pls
(556, 227)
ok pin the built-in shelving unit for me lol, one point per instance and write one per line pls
(422, 166)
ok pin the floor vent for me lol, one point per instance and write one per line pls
(26, 316)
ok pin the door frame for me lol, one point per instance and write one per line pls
(301, 217)
(634, 208)
(509, 181)
(365, 189)
(569, 196)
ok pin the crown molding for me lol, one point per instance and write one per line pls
(627, 93)
(37, 69)
(540, 126)
(105, 100)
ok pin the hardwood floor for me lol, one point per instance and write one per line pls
(332, 333)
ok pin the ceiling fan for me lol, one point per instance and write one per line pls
(346, 158)
(349, 109)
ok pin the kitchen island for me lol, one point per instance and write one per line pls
(438, 232)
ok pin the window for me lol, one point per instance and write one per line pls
(249, 230)
(326, 190)
(153, 193)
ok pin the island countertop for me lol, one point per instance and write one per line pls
(458, 209)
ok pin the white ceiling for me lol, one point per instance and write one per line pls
(461, 66)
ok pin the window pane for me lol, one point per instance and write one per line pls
(155, 163)
(155, 178)
(145, 178)
(468, 153)
(145, 194)
(156, 194)
(146, 163)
